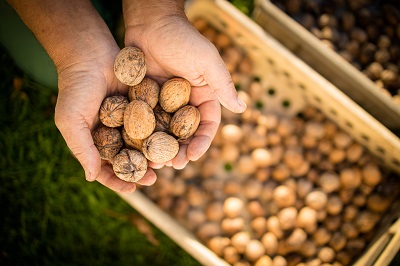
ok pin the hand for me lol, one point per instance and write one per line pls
(173, 47)
(83, 85)
(83, 50)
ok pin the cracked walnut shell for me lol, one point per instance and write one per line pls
(108, 142)
(130, 66)
(147, 91)
(112, 110)
(174, 94)
(139, 120)
(160, 147)
(129, 165)
(185, 122)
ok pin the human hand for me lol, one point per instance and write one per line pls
(83, 50)
(173, 47)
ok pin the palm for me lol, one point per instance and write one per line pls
(171, 52)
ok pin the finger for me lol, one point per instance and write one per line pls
(155, 165)
(218, 78)
(181, 159)
(79, 140)
(210, 118)
(149, 178)
(110, 180)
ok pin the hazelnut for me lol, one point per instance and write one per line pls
(185, 122)
(240, 241)
(130, 66)
(129, 165)
(232, 207)
(174, 94)
(108, 142)
(160, 147)
(147, 91)
(112, 110)
(163, 119)
(254, 250)
(139, 120)
(134, 143)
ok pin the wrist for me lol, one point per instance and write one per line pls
(142, 16)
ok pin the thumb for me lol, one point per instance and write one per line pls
(79, 140)
(218, 78)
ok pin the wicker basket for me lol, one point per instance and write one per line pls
(328, 63)
(297, 85)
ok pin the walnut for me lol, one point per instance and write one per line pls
(174, 94)
(160, 147)
(163, 119)
(108, 142)
(133, 143)
(139, 120)
(130, 66)
(185, 122)
(147, 91)
(129, 165)
(112, 110)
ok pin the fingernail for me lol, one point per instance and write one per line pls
(242, 103)
(88, 176)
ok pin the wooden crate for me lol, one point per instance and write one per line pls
(296, 85)
(328, 63)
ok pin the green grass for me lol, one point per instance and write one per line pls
(49, 214)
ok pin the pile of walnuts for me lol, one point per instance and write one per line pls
(148, 123)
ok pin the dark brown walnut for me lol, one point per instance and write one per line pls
(129, 165)
(139, 120)
(147, 91)
(160, 147)
(112, 110)
(174, 94)
(130, 66)
(133, 143)
(163, 119)
(108, 142)
(185, 122)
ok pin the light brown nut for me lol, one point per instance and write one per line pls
(108, 142)
(139, 120)
(133, 143)
(185, 122)
(129, 165)
(130, 66)
(112, 110)
(147, 91)
(163, 119)
(160, 147)
(174, 94)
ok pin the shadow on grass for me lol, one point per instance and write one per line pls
(49, 214)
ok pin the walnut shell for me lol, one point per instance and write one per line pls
(108, 142)
(139, 120)
(147, 91)
(130, 66)
(112, 110)
(174, 94)
(129, 165)
(163, 119)
(133, 143)
(160, 147)
(185, 122)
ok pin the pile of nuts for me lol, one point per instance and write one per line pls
(275, 190)
(148, 123)
(364, 32)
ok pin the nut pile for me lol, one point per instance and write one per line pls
(364, 32)
(148, 123)
(275, 190)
